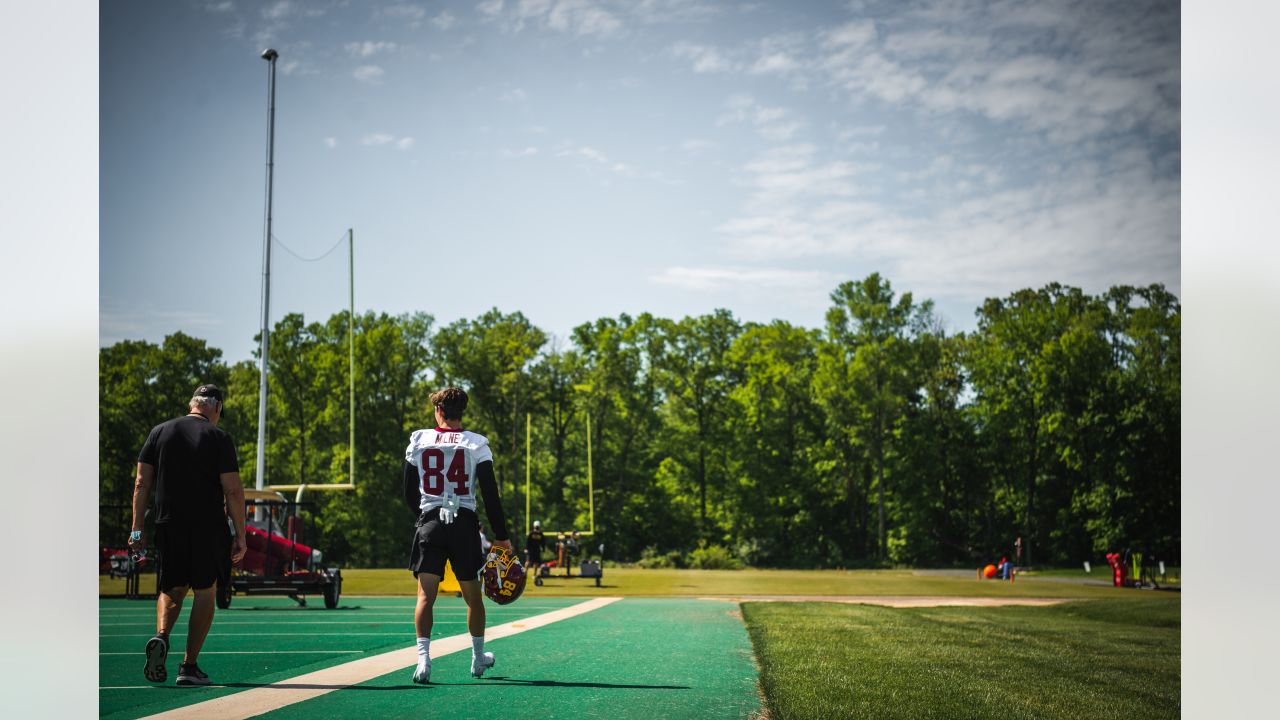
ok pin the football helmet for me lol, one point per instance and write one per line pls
(503, 576)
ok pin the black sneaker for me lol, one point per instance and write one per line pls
(191, 675)
(157, 651)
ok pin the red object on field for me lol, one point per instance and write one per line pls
(281, 550)
(989, 572)
(1117, 569)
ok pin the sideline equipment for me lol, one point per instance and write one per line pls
(504, 577)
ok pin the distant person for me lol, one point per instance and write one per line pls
(1017, 551)
(193, 466)
(533, 548)
(560, 551)
(572, 547)
(1003, 568)
(441, 470)
(484, 542)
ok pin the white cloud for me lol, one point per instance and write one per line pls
(220, 7)
(369, 48)
(529, 151)
(514, 96)
(583, 18)
(371, 74)
(587, 152)
(777, 124)
(331, 142)
(710, 279)
(705, 59)
(775, 64)
(444, 20)
(694, 145)
(379, 139)
(278, 10)
(405, 11)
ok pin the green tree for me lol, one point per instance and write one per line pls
(866, 369)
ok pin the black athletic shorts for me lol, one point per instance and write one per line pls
(191, 554)
(458, 542)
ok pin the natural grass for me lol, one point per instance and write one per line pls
(640, 582)
(1097, 659)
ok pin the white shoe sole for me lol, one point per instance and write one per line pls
(157, 651)
(190, 681)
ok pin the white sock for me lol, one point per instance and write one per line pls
(424, 649)
(477, 645)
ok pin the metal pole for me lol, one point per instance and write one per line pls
(528, 423)
(351, 352)
(591, 493)
(260, 468)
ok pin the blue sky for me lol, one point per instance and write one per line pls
(573, 159)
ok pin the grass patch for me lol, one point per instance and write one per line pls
(632, 582)
(1099, 659)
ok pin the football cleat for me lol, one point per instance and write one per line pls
(503, 575)
(481, 662)
(422, 675)
(190, 674)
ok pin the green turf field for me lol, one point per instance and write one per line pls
(636, 658)
(1094, 659)
(667, 650)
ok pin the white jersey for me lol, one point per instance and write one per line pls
(446, 461)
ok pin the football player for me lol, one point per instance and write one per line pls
(443, 468)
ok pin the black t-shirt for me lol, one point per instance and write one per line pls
(189, 454)
(535, 543)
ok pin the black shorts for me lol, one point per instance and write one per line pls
(535, 556)
(458, 542)
(191, 554)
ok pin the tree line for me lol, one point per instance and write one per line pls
(880, 438)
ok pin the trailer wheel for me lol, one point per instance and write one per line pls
(223, 596)
(332, 592)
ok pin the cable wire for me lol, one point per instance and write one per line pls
(326, 254)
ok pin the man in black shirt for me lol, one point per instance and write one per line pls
(193, 467)
(533, 548)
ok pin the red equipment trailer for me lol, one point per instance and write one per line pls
(276, 561)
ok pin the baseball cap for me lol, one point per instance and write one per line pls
(209, 391)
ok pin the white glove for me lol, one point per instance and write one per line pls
(449, 510)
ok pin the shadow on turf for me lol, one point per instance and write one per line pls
(557, 683)
(509, 681)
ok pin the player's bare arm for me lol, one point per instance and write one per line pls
(141, 496)
(233, 491)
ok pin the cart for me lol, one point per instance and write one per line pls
(277, 561)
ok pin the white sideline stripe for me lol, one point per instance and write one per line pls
(293, 634)
(220, 623)
(253, 652)
(258, 701)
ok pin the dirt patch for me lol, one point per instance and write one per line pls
(897, 601)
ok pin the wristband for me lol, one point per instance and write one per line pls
(135, 536)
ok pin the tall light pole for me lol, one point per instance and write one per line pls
(260, 468)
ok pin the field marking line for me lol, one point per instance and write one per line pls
(898, 601)
(293, 634)
(254, 652)
(258, 701)
(220, 623)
